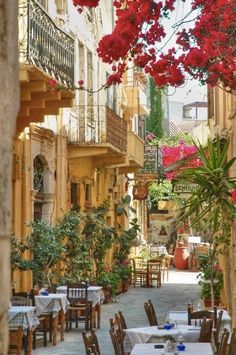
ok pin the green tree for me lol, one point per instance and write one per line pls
(155, 118)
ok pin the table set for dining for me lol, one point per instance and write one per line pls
(53, 304)
(155, 349)
(24, 317)
(152, 334)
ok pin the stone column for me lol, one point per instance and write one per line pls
(9, 104)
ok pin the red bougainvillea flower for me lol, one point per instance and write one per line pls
(81, 82)
(233, 196)
(206, 50)
(88, 3)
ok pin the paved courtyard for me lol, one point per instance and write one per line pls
(173, 295)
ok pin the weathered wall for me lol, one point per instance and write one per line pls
(8, 110)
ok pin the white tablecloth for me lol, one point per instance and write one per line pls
(181, 317)
(191, 348)
(52, 303)
(143, 335)
(22, 316)
(95, 294)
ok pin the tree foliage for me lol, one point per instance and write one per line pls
(154, 120)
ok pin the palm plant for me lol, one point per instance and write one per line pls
(211, 200)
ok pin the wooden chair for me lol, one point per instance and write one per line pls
(27, 299)
(117, 336)
(15, 340)
(165, 268)
(115, 342)
(217, 326)
(93, 350)
(199, 315)
(139, 271)
(19, 301)
(151, 314)
(232, 346)
(206, 330)
(45, 325)
(80, 309)
(122, 320)
(154, 267)
(222, 349)
(91, 342)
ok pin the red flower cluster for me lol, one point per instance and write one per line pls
(88, 3)
(206, 51)
(171, 155)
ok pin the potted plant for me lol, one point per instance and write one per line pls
(109, 280)
(205, 283)
(161, 194)
(124, 271)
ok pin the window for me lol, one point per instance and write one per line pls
(75, 195)
(38, 175)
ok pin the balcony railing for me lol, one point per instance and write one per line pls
(44, 44)
(97, 124)
(152, 160)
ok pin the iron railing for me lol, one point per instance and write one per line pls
(97, 124)
(44, 44)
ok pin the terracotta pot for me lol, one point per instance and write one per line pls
(207, 303)
(119, 288)
(181, 258)
(125, 285)
(107, 294)
(140, 192)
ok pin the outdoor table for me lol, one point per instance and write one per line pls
(57, 305)
(25, 317)
(181, 317)
(148, 334)
(191, 348)
(95, 295)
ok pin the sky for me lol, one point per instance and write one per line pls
(192, 90)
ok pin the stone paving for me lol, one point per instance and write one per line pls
(173, 295)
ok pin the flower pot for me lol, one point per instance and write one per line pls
(125, 285)
(140, 192)
(181, 257)
(207, 302)
(119, 288)
(107, 294)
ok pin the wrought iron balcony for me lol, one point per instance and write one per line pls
(97, 125)
(43, 44)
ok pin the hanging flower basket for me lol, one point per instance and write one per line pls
(140, 192)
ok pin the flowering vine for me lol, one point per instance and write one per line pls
(206, 51)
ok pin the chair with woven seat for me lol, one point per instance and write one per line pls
(151, 313)
(206, 330)
(154, 267)
(80, 309)
(165, 268)
(91, 342)
(139, 271)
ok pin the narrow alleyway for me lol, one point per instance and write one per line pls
(173, 295)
